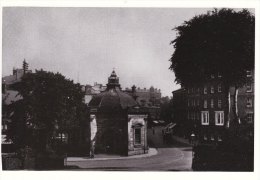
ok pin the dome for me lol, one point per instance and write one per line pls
(113, 98)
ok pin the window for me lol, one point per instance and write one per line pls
(192, 90)
(219, 103)
(198, 102)
(212, 76)
(249, 87)
(219, 88)
(198, 115)
(249, 102)
(248, 73)
(205, 104)
(137, 136)
(212, 137)
(219, 138)
(188, 90)
(205, 137)
(250, 117)
(192, 116)
(205, 90)
(194, 102)
(63, 137)
(219, 75)
(211, 89)
(204, 117)
(198, 90)
(212, 103)
(219, 118)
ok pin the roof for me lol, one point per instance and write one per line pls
(112, 99)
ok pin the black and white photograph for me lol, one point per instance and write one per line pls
(136, 89)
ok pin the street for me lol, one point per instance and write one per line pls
(174, 156)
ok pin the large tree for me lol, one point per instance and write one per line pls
(50, 102)
(221, 41)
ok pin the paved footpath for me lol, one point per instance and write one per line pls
(176, 156)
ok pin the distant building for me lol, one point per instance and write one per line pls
(91, 91)
(118, 124)
(150, 99)
(9, 96)
(147, 97)
(207, 108)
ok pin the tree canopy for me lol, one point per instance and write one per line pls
(221, 41)
(50, 102)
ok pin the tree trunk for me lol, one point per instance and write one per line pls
(235, 109)
(228, 105)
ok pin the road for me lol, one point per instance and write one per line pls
(175, 156)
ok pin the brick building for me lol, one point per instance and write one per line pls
(207, 107)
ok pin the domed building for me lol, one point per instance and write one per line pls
(118, 125)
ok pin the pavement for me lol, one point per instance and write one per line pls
(175, 155)
(102, 157)
(181, 140)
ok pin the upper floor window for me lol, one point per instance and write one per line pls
(249, 102)
(198, 115)
(212, 103)
(250, 117)
(249, 87)
(219, 118)
(219, 103)
(211, 89)
(205, 104)
(193, 116)
(198, 90)
(248, 73)
(205, 90)
(212, 76)
(188, 89)
(204, 117)
(219, 88)
(219, 75)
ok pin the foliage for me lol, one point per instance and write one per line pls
(166, 109)
(50, 103)
(221, 41)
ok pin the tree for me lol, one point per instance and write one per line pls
(50, 103)
(221, 41)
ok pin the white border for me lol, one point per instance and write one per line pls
(145, 175)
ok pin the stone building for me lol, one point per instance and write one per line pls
(118, 124)
(91, 91)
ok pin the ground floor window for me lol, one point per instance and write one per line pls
(63, 137)
(250, 117)
(137, 136)
(205, 137)
(204, 117)
(219, 118)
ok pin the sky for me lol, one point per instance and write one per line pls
(85, 44)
